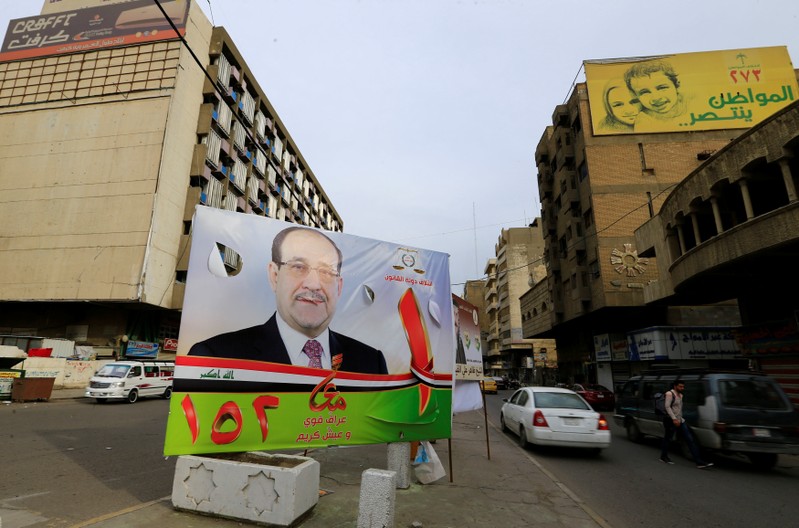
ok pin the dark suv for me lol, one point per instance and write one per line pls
(728, 412)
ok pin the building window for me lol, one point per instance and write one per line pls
(583, 171)
(588, 218)
(594, 269)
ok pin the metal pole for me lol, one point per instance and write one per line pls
(485, 417)
(449, 450)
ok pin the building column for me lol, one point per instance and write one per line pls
(681, 239)
(695, 225)
(673, 245)
(788, 179)
(750, 212)
(714, 202)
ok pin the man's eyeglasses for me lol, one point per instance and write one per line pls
(300, 270)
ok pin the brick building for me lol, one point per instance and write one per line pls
(596, 189)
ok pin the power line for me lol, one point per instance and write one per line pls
(244, 126)
(519, 220)
(211, 11)
(583, 238)
(218, 90)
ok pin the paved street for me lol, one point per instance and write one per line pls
(629, 487)
(70, 460)
(67, 461)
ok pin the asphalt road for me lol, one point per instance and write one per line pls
(65, 461)
(629, 487)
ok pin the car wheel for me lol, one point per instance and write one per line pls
(167, 393)
(763, 460)
(503, 424)
(523, 438)
(633, 433)
(133, 396)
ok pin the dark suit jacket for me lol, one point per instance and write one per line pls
(263, 343)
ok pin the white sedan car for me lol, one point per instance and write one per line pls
(551, 416)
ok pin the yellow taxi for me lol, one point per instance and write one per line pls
(488, 385)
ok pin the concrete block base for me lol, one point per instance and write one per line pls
(377, 500)
(399, 460)
(269, 489)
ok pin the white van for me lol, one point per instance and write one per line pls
(128, 380)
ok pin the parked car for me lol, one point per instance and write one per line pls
(552, 416)
(501, 382)
(128, 380)
(598, 396)
(488, 385)
(743, 413)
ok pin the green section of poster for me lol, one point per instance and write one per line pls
(235, 422)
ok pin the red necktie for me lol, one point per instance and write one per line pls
(313, 349)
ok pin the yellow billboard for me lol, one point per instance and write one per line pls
(689, 91)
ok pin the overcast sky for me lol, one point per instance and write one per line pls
(420, 118)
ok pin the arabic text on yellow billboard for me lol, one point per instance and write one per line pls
(689, 91)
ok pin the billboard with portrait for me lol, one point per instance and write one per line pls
(468, 354)
(686, 92)
(293, 337)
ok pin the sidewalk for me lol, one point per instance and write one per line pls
(510, 490)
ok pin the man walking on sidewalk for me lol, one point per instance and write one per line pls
(673, 421)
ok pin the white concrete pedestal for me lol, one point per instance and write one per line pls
(266, 488)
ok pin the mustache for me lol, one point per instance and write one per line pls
(311, 296)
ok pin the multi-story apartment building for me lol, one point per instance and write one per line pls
(545, 352)
(597, 186)
(519, 252)
(110, 139)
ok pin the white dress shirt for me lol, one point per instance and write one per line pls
(295, 341)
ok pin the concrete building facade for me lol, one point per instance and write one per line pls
(595, 191)
(104, 155)
(518, 262)
(737, 215)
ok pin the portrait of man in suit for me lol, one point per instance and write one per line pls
(305, 276)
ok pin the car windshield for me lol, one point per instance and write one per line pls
(751, 394)
(559, 400)
(113, 371)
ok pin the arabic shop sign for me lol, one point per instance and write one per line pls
(141, 349)
(682, 342)
(779, 337)
(93, 28)
(689, 91)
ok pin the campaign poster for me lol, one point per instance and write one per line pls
(711, 90)
(293, 337)
(93, 28)
(468, 355)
